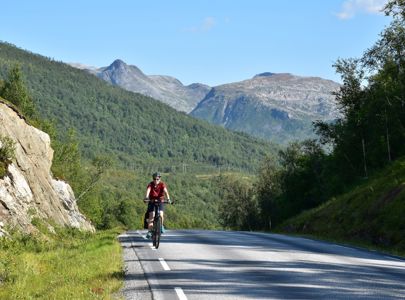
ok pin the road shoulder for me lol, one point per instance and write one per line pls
(135, 284)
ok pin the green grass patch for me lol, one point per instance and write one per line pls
(66, 265)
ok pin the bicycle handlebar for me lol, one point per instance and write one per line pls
(159, 201)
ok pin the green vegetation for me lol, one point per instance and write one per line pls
(68, 264)
(370, 215)
(7, 154)
(238, 209)
(14, 90)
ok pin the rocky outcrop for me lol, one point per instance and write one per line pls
(28, 189)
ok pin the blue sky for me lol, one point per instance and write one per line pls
(207, 41)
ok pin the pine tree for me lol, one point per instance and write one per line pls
(15, 91)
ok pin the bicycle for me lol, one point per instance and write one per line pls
(157, 223)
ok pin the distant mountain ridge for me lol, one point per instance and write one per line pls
(276, 106)
(167, 89)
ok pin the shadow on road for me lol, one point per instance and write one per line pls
(300, 277)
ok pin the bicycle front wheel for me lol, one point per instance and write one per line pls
(157, 232)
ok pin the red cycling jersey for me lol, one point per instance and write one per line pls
(157, 190)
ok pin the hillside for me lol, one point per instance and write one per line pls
(142, 133)
(371, 214)
(277, 107)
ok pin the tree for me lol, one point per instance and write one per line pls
(269, 189)
(348, 134)
(302, 177)
(395, 8)
(100, 165)
(66, 162)
(239, 209)
(14, 90)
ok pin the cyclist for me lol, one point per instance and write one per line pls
(155, 191)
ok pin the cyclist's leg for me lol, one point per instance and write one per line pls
(151, 212)
(162, 217)
(150, 220)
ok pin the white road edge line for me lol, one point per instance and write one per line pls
(164, 264)
(180, 293)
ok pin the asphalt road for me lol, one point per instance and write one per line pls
(192, 264)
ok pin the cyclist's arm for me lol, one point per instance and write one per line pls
(166, 193)
(147, 193)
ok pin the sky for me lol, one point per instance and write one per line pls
(207, 41)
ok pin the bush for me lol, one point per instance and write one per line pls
(7, 154)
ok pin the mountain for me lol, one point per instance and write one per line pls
(278, 107)
(167, 89)
(139, 132)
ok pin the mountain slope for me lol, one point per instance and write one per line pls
(279, 107)
(167, 89)
(139, 131)
(370, 214)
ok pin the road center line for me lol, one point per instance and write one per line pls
(180, 293)
(164, 264)
(397, 259)
(140, 234)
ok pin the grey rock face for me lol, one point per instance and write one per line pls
(28, 189)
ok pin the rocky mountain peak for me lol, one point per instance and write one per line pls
(164, 88)
(265, 74)
(118, 63)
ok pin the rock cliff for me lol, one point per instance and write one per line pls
(28, 190)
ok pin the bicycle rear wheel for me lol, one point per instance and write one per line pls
(157, 232)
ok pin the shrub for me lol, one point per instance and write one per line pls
(7, 154)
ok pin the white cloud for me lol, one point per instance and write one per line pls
(351, 7)
(207, 24)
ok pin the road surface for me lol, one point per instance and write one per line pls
(191, 264)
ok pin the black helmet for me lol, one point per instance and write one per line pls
(156, 174)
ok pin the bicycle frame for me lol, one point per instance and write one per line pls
(157, 224)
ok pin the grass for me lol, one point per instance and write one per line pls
(66, 265)
(370, 215)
